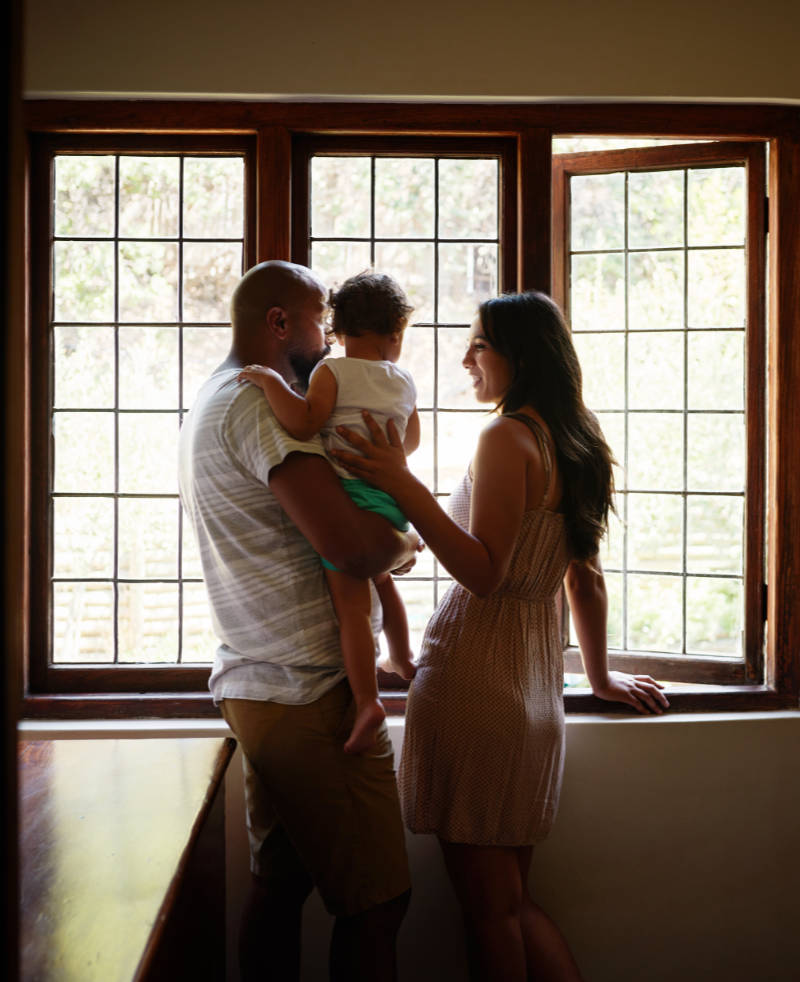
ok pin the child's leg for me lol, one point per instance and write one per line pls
(395, 627)
(352, 601)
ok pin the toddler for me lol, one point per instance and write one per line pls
(370, 314)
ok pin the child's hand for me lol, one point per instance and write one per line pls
(256, 374)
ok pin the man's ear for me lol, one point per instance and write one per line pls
(276, 322)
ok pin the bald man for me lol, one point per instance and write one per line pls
(263, 507)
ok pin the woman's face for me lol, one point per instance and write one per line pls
(490, 371)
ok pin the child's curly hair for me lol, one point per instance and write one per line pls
(369, 301)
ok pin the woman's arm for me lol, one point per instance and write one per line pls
(588, 602)
(479, 558)
(301, 417)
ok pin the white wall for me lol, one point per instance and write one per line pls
(692, 49)
(675, 857)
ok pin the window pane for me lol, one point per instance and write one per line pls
(148, 538)
(84, 196)
(655, 370)
(597, 297)
(716, 370)
(717, 206)
(213, 203)
(84, 452)
(655, 205)
(148, 453)
(340, 197)
(84, 367)
(404, 197)
(655, 613)
(468, 199)
(467, 277)
(714, 619)
(148, 623)
(716, 452)
(655, 451)
(655, 291)
(83, 281)
(148, 367)
(148, 282)
(149, 197)
(598, 212)
(716, 288)
(580, 144)
(83, 623)
(714, 533)
(655, 532)
(83, 537)
(211, 271)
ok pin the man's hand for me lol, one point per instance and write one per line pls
(416, 545)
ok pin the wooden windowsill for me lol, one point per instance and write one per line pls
(108, 706)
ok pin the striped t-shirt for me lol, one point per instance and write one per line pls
(269, 603)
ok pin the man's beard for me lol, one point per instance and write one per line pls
(303, 365)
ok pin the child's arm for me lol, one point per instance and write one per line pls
(412, 437)
(301, 417)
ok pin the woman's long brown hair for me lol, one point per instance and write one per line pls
(529, 330)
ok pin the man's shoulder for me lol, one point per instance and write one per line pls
(228, 401)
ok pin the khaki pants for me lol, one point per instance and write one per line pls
(312, 809)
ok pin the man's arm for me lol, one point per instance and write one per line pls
(357, 542)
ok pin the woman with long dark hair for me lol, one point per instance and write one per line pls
(483, 750)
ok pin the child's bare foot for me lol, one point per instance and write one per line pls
(369, 717)
(402, 665)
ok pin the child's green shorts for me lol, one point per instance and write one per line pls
(372, 499)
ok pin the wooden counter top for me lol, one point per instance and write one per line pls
(109, 831)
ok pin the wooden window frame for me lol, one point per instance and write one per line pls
(271, 127)
(62, 681)
(717, 669)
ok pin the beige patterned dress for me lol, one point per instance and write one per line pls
(484, 739)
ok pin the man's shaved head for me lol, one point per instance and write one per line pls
(271, 284)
